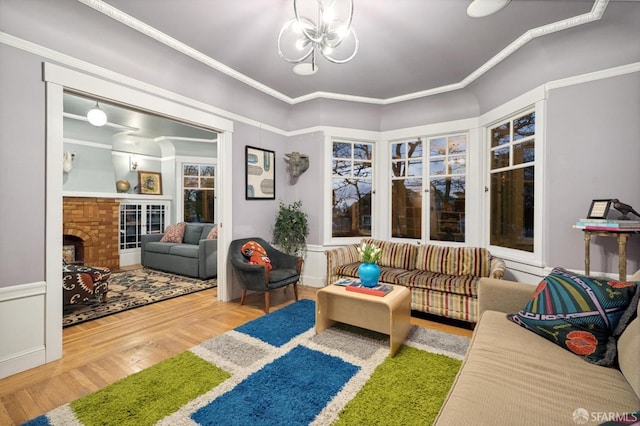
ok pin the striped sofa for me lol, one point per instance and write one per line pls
(443, 280)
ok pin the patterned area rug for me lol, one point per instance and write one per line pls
(132, 289)
(276, 370)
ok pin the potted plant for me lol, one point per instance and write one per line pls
(291, 228)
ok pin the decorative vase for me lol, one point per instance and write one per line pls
(123, 185)
(369, 274)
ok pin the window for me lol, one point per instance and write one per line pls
(352, 181)
(512, 167)
(406, 189)
(447, 187)
(198, 183)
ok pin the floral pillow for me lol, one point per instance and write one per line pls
(213, 234)
(174, 233)
(584, 315)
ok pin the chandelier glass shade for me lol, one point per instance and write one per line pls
(320, 27)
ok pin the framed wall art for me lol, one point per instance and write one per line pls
(150, 183)
(260, 176)
(599, 209)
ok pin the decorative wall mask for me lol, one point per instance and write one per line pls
(297, 163)
(67, 161)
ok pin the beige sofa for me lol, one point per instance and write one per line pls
(511, 376)
(443, 280)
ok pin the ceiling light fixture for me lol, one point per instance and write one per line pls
(330, 34)
(482, 8)
(97, 116)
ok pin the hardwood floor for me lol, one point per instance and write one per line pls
(99, 352)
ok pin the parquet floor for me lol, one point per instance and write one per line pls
(100, 352)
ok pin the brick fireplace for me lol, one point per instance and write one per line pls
(90, 225)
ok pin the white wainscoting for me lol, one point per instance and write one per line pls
(314, 270)
(22, 327)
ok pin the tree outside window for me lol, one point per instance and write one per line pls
(447, 187)
(352, 182)
(199, 193)
(406, 189)
(512, 178)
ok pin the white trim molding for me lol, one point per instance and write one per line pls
(595, 14)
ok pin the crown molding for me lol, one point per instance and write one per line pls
(596, 13)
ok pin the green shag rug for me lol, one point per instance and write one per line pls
(277, 370)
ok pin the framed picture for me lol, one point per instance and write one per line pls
(599, 209)
(150, 183)
(260, 176)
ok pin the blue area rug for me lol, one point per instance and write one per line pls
(292, 390)
(281, 326)
(280, 372)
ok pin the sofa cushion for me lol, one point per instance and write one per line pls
(579, 313)
(433, 258)
(159, 247)
(192, 233)
(387, 275)
(474, 261)
(513, 377)
(628, 350)
(463, 284)
(173, 233)
(184, 250)
(395, 255)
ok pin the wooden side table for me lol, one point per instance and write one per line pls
(389, 314)
(622, 237)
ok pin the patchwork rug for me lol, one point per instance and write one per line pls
(275, 370)
(132, 289)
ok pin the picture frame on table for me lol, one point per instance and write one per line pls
(150, 183)
(260, 174)
(599, 209)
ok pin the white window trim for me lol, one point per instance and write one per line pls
(536, 100)
(203, 161)
(349, 135)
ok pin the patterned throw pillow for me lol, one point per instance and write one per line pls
(213, 234)
(256, 254)
(584, 315)
(174, 233)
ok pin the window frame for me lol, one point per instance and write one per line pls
(179, 199)
(534, 101)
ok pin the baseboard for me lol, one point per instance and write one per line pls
(22, 327)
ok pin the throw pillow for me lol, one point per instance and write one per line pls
(256, 254)
(174, 233)
(213, 234)
(584, 315)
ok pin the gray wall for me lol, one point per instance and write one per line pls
(593, 152)
(71, 28)
(22, 174)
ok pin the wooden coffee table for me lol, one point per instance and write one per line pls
(389, 314)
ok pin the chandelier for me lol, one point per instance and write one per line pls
(328, 33)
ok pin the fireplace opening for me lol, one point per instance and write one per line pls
(73, 250)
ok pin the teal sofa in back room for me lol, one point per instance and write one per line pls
(195, 256)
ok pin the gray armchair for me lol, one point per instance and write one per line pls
(286, 270)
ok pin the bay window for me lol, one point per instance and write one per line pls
(512, 180)
(352, 184)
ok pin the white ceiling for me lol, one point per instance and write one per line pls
(408, 49)
(406, 46)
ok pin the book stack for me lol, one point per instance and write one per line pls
(379, 290)
(608, 225)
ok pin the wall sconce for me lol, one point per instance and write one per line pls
(133, 163)
(97, 116)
